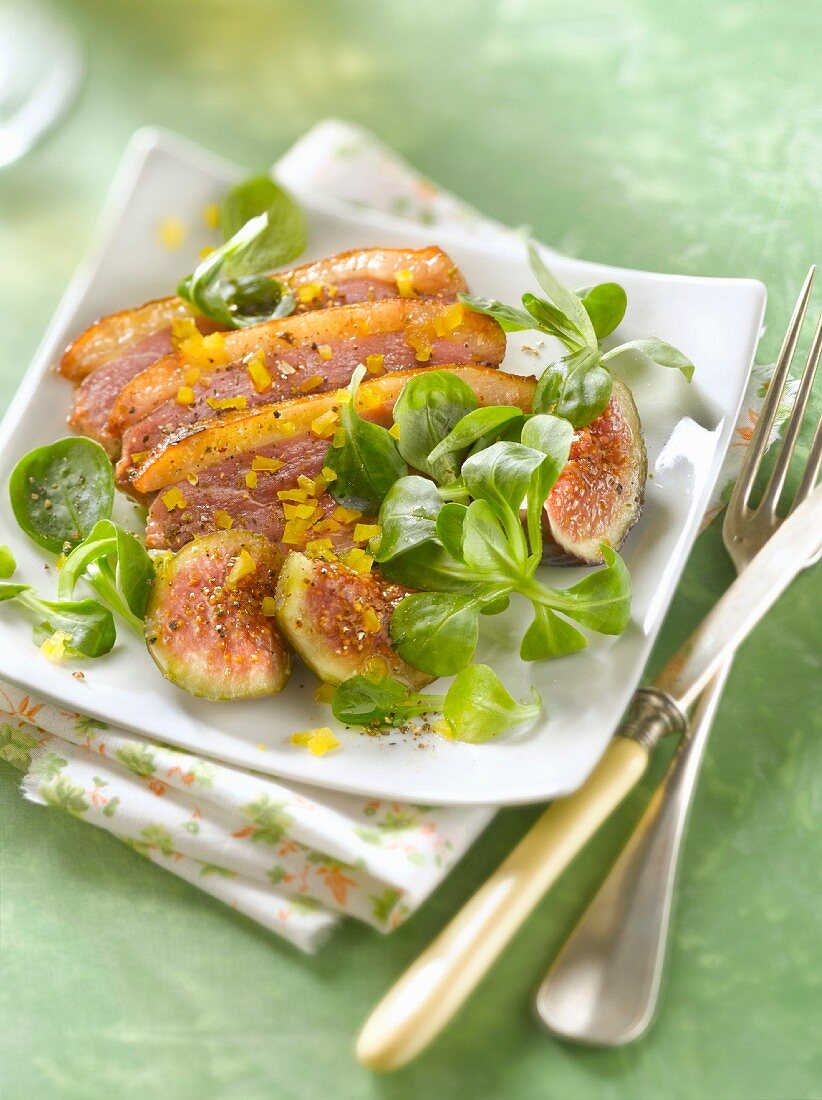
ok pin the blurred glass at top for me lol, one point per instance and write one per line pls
(41, 66)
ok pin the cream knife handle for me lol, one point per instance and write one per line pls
(425, 998)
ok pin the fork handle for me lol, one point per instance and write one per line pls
(603, 988)
(425, 998)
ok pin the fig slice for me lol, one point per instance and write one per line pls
(599, 495)
(337, 620)
(205, 626)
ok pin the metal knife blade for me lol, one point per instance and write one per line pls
(751, 595)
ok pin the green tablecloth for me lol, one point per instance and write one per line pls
(671, 136)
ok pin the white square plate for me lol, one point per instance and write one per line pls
(714, 321)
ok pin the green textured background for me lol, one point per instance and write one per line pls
(671, 136)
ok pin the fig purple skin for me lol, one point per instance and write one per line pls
(205, 626)
(599, 495)
(337, 620)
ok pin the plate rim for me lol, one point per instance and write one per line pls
(150, 139)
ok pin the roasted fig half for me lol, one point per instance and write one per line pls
(599, 495)
(207, 626)
(337, 619)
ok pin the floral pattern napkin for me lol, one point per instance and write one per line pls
(290, 857)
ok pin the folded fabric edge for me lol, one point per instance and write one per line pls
(301, 921)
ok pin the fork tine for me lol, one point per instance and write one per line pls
(806, 485)
(759, 440)
(776, 483)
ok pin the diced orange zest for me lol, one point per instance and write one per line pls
(375, 364)
(405, 283)
(371, 621)
(223, 520)
(325, 425)
(327, 527)
(339, 438)
(358, 560)
(329, 475)
(197, 350)
(251, 479)
(300, 495)
(319, 548)
(138, 456)
(295, 532)
(192, 478)
(191, 376)
(307, 484)
(364, 531)
(309, 292)
(312, 383)
(171, 232)
(243, 566)
(54, 648)
(238, 402)
(173, 499)
(419, 339)
(269, 606)
(185, 395)
(345, 515)
(182, 328)
(258, 372)
(318, 741)
(449, 319)
(325, 352)
(270, 465)
(299, 511)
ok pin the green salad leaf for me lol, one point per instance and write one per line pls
(373, 701)
(562, 298)
(477, 707)
(549, 635)
(117, 567)
(223, 288)
(467, 557)
(366, 461)
(655, 351)
(408, 517)
(88, 625)
(58, 492)
(264, 228)
(578, 385)
(437, 632)
(428, 408)
(605, 304)
(510, 318)
(477, 429)
(285, 235)
(7, 563)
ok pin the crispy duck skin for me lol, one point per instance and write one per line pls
(204, 474)
(196, 447)
(357, 275)
(95, 395)
(309, 353)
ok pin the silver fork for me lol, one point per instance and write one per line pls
(603, 987)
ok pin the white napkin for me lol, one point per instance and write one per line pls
(290, 857)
